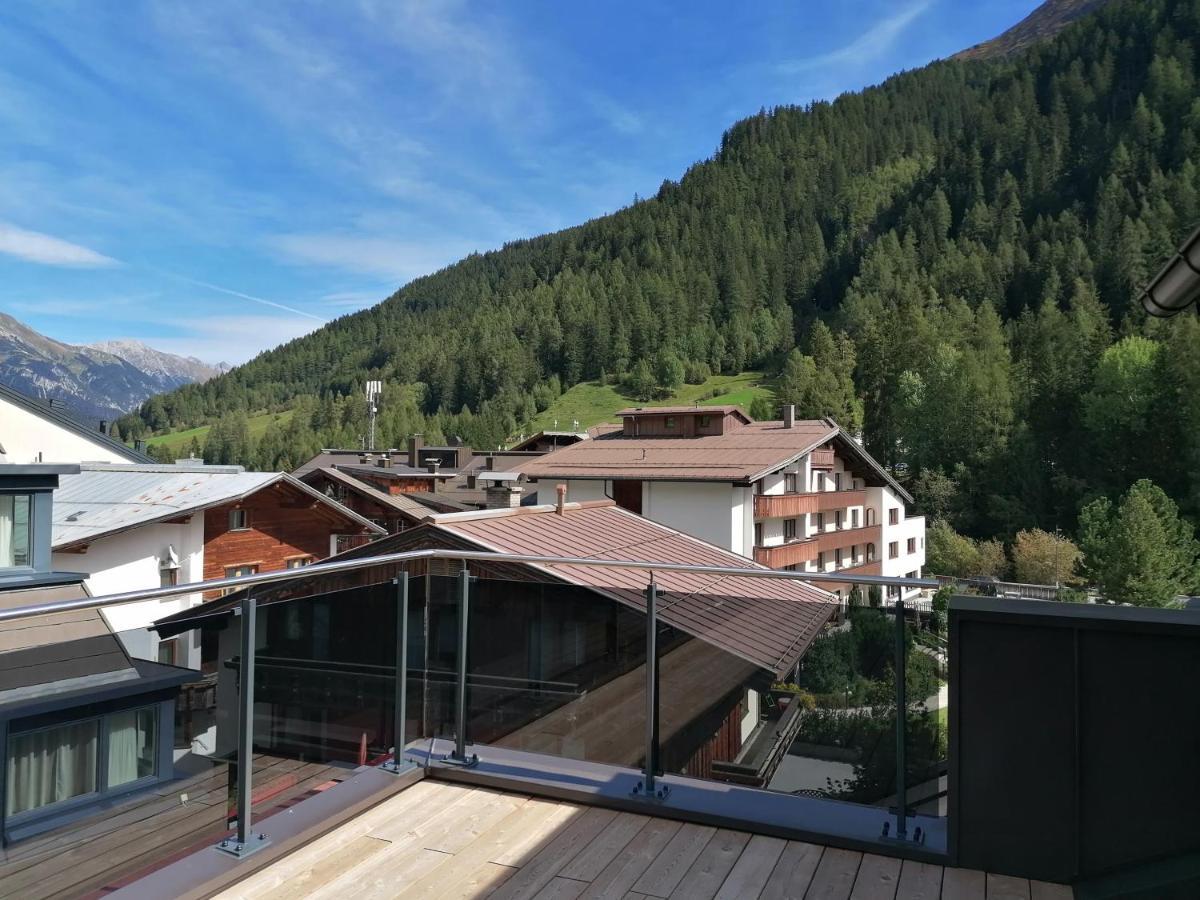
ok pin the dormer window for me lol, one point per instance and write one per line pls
(669, 423)
(16, 531)
(705, 421)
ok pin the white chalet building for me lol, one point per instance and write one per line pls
(791, 494)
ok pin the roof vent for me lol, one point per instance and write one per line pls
(74, 517)
(561, 506)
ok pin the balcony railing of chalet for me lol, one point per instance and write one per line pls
(633, 689)
(791, 553)
(821, 458)
(844, 538)
(783, 506)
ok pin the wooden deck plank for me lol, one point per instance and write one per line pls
(753, 868)
(794, 872)
(877, 878)
(1044, 890)
(712, 866)
(378, 878)
(561, 888)
(835, 875)
(422, 820)
(485, 810)
(325, 870)
(919, 881)
(611, 841)
(615, 880)
(963, 884)
(537, 872)
(1005, 887)
(476, 866)
(665, 873)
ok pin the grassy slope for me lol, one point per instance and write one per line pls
(178, 440)
(592, 403)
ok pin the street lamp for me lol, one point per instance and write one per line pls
(1177, 284)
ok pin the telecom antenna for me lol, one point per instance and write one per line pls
(374, 389)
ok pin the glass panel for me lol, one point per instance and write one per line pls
(927, 737)
(15, 530)
(556, 669)
(50, 766)
(132, 745)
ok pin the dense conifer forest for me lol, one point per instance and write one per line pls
(970, 236)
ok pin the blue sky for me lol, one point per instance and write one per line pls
(215, 178)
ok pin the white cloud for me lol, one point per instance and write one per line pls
(230, 339)
(867, 46)
(370, 255)
(33, 246)
(619, 118)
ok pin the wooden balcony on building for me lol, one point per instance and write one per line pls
(781, 506)
(793, 553)
(826, 541)
(822, 458)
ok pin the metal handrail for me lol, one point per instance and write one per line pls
(351, 565)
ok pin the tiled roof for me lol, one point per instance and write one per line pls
(739, 455)
(769, 622)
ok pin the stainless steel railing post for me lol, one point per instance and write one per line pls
(901, 726)
(246, 842)
(400, 706)
(648, 787)
(464, 603)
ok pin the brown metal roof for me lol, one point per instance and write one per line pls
(740, 455)
(681, 410)
(769, 622)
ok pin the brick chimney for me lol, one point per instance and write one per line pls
(560, 507)
(502, 496)
(789, 416)
(415, 443)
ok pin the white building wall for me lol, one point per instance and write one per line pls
(29, 438)
(701, 509)
(130, 561)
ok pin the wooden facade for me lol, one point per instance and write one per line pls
(283, 525)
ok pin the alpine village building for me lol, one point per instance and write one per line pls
(801, 495)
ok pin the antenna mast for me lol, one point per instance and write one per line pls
(374, 389)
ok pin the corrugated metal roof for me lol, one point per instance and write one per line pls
(738, 455)
(769, 622)
(103, 499)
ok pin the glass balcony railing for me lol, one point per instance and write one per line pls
(676, 678)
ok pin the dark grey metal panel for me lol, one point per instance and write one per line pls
(1140, 742)
(1075, 737)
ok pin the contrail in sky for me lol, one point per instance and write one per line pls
(233, 293)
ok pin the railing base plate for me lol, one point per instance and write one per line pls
(235, 848)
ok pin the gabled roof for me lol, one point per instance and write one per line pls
(402, 503)
(104, 499)
(765, 621)
(567, 437)
(744, 454)
(64, 418)
(682, 410)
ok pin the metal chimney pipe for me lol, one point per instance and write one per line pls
(789, 416)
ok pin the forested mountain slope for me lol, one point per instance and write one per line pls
(973, 233)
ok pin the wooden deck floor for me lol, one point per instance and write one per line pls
(437, 840)
(90, 856)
